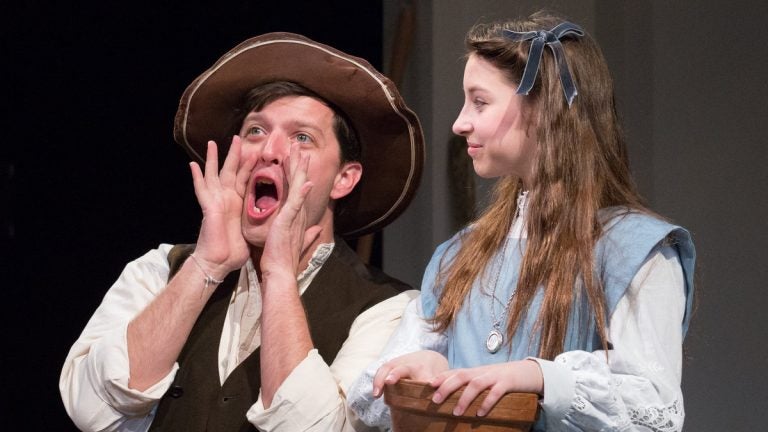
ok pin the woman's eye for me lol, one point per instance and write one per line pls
(479, 103)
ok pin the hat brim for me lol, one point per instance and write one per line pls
(390, 134)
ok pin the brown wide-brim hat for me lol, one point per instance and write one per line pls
(389, 132)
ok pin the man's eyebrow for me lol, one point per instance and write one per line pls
(253, 115)
(295, 124)
(303, 124)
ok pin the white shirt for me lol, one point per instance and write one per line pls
(94, 378)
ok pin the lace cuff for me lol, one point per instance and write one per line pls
(601, 400)
(662, 419)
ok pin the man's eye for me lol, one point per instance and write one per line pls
(303, 138)
(254, 130)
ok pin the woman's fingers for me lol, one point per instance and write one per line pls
(498, 379)
(494, 395)
(472, 390)
(473, 382)
(378, 379)
(392, 376)
(389, 374)
(446, 384)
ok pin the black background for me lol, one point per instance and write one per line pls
(91, 176)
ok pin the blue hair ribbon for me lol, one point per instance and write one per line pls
(540, 39)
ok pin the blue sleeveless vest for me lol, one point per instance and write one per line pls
(628, 241)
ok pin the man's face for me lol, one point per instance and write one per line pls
(268, 135)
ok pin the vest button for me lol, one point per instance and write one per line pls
(176, 391)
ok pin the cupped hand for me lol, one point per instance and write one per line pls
(420, 366)
(518, 376)
(289, 238)
(220, 244)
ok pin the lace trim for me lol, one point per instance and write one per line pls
(579, 403)
(664, 419)
(372, 412)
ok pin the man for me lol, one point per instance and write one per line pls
(269, 317)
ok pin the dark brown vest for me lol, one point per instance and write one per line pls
(196, 401)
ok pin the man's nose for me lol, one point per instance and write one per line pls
(276, 149)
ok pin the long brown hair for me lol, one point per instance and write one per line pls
(582, 167)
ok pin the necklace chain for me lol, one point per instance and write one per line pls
(497, 321)
(495, 337)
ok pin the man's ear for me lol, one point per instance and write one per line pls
(346, 179)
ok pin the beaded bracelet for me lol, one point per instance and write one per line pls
(208, 278)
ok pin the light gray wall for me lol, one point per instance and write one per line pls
(691, 87)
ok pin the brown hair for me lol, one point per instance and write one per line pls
(582, 166)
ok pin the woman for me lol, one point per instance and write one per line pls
(567, 285)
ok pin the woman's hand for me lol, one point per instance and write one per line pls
(220, 245)
(522, 376)
(420, 366)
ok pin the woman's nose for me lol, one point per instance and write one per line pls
(461, 125)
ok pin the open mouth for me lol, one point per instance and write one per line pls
(265, 196)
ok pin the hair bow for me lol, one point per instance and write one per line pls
(550, 38)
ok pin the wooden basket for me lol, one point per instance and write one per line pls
(413, 411)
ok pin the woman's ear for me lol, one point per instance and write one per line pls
(346, 179)
(532, 116)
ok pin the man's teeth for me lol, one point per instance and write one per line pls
(264, 189)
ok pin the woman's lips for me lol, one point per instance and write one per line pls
(473, 149)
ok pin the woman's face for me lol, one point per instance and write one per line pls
(500, 141)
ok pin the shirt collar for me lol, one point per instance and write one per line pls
(319, 257)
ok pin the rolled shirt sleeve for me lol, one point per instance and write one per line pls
(94, 378)
(313, 396)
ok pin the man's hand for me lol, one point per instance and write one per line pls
(156, 336)
(285, 332)
(221, 247)
(288, 238)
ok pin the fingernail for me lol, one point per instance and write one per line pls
(437, 398)
(480, 412)
(375, 392)
(457, 411)
(389, 378)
